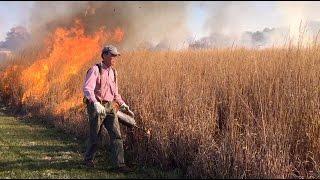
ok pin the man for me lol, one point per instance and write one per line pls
(101, 91)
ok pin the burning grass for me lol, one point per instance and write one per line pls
(227, 113)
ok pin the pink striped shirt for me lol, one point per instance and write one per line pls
(108, 91)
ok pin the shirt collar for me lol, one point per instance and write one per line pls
(105, 66)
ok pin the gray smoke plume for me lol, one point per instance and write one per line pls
(4, 54)
(259, 39)
(163, 25)
(17, 39)
(141, 21)
(268, 37)
(238, 23)
(215, 40)
(228, 18)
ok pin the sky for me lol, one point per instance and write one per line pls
(245, 15)
(13, 14)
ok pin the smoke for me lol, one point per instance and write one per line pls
(267, 37)
(297, 14)
(215, 40)
(142, 22)
(47, 16)
(4, 54)
(258, 24)
(236, 24)
(17, 38)
(302, 18)
(229, 18)
(163, 25)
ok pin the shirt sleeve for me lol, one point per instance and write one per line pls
(90, 84)
(117, 96)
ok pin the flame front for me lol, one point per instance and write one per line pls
(59, 76)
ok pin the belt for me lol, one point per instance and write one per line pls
(86, 101)
(106, 102)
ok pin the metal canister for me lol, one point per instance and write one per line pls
(126, 119)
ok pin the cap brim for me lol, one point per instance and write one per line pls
(116, 54)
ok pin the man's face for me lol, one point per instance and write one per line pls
(109, 59)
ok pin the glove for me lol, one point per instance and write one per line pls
(99, 108)
(124, 106)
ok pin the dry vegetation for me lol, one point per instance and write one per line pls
(221, 113)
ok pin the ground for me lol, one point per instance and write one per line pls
(33, 150)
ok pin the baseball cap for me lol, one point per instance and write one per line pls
(110, 49)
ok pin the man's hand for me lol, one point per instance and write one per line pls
(124, 106)
(99, 108)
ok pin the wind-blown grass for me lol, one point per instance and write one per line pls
(221, 113)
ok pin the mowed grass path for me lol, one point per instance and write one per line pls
(32, 150)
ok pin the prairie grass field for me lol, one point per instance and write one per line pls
(219, 113)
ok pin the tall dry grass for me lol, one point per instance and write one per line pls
(222, 113)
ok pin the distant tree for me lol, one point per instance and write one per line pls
(16, 38)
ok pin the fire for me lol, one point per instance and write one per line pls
(7, 77)
(118, 35)
(70, 50)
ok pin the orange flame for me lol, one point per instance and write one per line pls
(52, 78)
(118, 35)
(8, 78)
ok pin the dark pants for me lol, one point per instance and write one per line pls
(111, 123)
